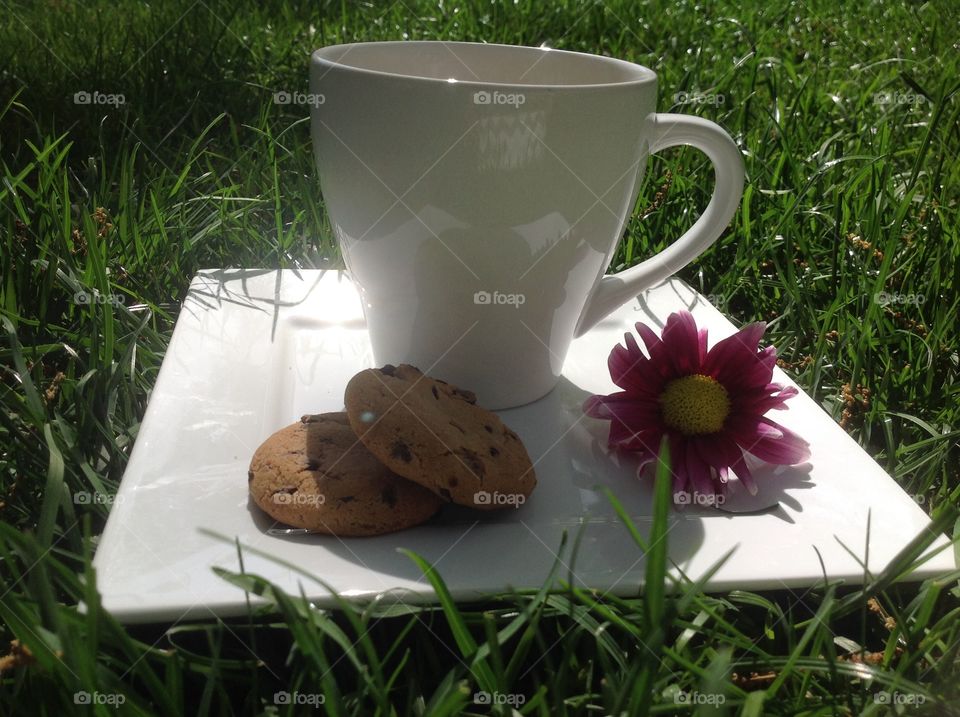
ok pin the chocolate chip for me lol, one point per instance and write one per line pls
(401, 451)
(472, 461)
(389, 496)
(346, 498)
(452, 480)
(494, 452)
(468, 396)
(488, 429)
(459, 427)
(389, 369)
(436, 394)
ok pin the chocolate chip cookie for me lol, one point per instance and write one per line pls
(435, 434)
(315, 474)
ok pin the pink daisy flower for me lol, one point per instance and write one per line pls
(710, 404)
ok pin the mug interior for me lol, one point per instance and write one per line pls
(480, 63)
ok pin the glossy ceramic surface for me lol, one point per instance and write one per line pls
(479, 192)
(254, 350)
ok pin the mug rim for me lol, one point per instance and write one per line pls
(644, 74)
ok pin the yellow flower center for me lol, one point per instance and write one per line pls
(695, 404)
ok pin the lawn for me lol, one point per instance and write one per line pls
(141, 142)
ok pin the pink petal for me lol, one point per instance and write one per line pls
(723, 473)
(681, 478)
(768, 440)
(768, 355)
(595, 406)
(702, 346)
(638, 415)
(733, 361)
(650, 339)
(746, 339)
(645, 460)
(698, 471)
(647, 443)
(659, 355)
(629, 438)
(625, 407)
(681, 336)
(631, 370)
(751, 334)
(785, 391)
(630, 419)
(772, 396)
(745, 476)
(719, 450)
(743, 373)
(624, 362)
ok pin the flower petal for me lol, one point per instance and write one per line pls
(624, 361)
(636, 412)
(683, 342)
(785, 392)
(734, 360)
(719, 450)
(702, 347)
(700, 463)
(596, 406)
(745, 476)
(768, 440)
(645, 460)
(746, 339)
(650, 339)
(646, 443)
(723, 473)
(698, 471)
(758, 402)
(678, 466)
(659, 355)
(627, 438)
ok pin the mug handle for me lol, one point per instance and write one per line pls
(670, 130)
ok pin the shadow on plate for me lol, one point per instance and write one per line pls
(517, 547)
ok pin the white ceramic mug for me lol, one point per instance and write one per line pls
(478, 193)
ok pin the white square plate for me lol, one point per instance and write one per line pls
(254, 350)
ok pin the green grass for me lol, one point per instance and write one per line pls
(849, 122)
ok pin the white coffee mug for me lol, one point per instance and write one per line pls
(478, 193)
